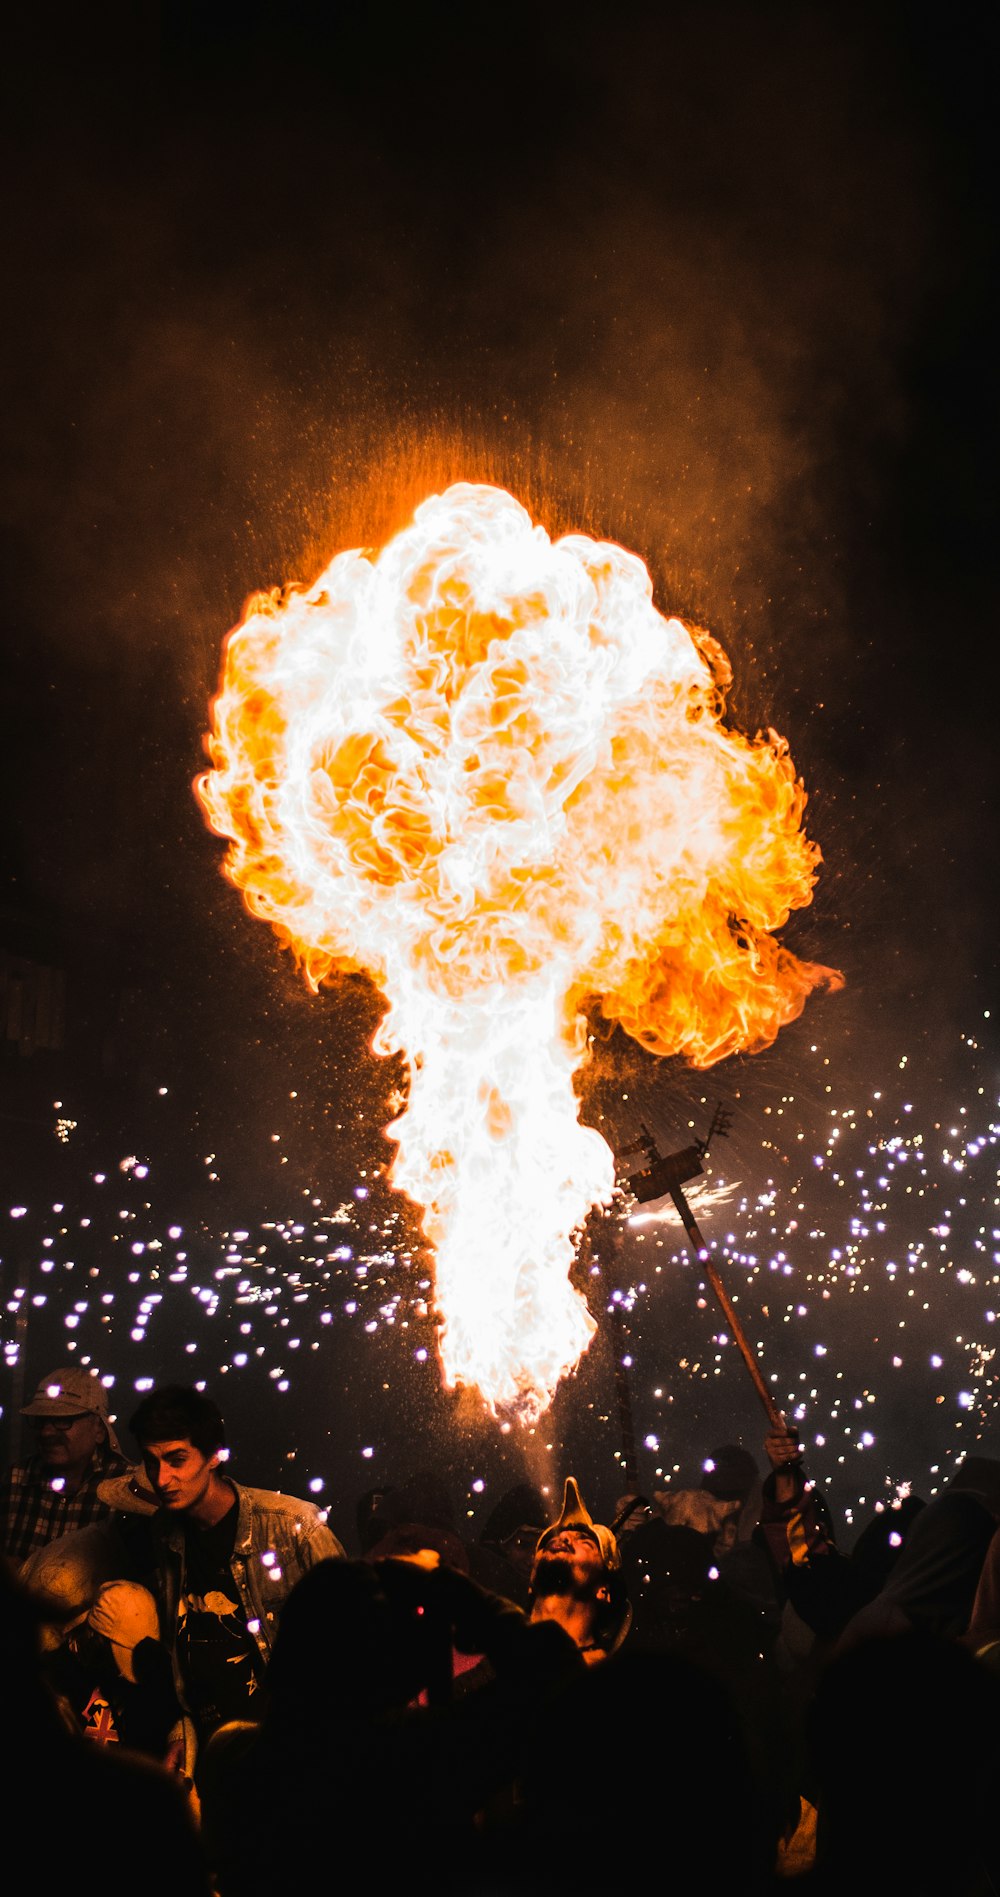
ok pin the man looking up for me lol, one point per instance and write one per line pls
(577, 1579)
(226, 1556)
(56, 1490)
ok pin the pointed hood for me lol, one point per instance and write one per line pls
(576, 1514)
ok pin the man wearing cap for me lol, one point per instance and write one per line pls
(577, 1580)
(56, 1490)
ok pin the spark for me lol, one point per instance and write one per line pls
(845, 1316)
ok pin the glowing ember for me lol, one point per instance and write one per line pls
(484, 768)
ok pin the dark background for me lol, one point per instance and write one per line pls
(710, 280)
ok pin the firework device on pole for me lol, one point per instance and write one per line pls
(670, 1174)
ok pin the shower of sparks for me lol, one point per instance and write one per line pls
(878, 1247)
(866, 1266)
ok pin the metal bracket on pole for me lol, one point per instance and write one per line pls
(662, 1176)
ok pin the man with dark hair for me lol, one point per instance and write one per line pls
(57, 1489)
(227, 1557)
(176, 1411)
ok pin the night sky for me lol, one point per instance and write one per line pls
(711, 281)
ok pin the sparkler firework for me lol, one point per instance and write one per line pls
(484, 768)
(861, 1237)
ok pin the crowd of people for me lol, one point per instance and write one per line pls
(709, 1690)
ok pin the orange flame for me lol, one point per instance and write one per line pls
(483, 767)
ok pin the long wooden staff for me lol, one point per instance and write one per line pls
(670, 1175)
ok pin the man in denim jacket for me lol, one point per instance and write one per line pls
(226, 1557)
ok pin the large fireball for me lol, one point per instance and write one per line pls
(483, 767)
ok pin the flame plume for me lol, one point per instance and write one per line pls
(481, 766)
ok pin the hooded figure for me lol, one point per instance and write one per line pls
(577, 1579)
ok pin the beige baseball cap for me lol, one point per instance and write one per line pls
(130, 1492)
(71, 1392)
(125, 1613)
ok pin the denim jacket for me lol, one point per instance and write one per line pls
(278, 1538)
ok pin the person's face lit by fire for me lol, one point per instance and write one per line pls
(573, 1548)
(569, 1585)
(183, 1478)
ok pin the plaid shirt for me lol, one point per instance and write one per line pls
(35, 1508)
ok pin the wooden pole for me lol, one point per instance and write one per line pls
(740, 1339)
